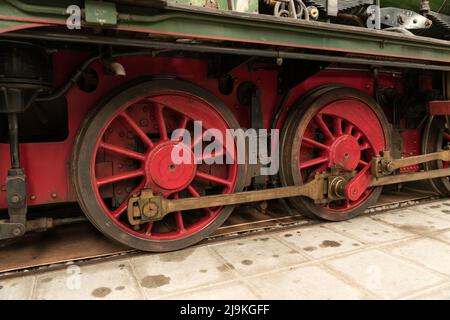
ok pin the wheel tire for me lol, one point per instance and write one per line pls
(86, 151)
(301, 117)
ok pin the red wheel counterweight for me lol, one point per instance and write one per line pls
(126, 145)
(334, 128)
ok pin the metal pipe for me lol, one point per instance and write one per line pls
(127, 42)
(13, 127)
(32, 8)
(76, 76)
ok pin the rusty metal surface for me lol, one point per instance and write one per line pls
(58, 245)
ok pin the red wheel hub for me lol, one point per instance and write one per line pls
(167, 175)
(345, 152)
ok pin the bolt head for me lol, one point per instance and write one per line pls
(15, 198)
(17, 232)
(150, 209)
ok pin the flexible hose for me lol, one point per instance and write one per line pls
(76, 76)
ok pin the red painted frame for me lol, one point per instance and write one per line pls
(47, 164)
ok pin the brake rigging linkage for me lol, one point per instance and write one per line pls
(323, 188)
(25, 74)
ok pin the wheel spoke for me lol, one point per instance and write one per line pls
(313, 162)
(197, 140)
(124, 205)
(148, 228)
(358, 135)
(122, 151)
(141, 134)
(349, 128)
(179, 218)
(364, 146)
(161, 122)
(181, 127)
(363, 163)
(204, 176)
(323, 126)
(314, 143)
(120, 177)
(337, 122)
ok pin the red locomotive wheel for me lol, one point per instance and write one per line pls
(125, 145)
(436, 137)
(335, 127)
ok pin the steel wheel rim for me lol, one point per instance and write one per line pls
(182, 230)
(340, 136)
(300, 115)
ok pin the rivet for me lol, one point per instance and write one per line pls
(15, 198)
(144, 122)
(54, 195)
(33, 197)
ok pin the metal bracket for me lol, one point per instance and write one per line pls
(374, 17)
(332, 8)
(384, 164)
(402, 18)
(11, 230)
(144, 207)
(102, 13)
(17, 205)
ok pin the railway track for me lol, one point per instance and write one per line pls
(80, 243)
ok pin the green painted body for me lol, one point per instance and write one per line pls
(249, 6)
(215, 24)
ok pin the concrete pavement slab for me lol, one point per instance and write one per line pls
(386, 276)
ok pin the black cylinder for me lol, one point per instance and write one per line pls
(25, 71)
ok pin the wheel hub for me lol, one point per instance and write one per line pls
(166, 172)
(345, 152)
